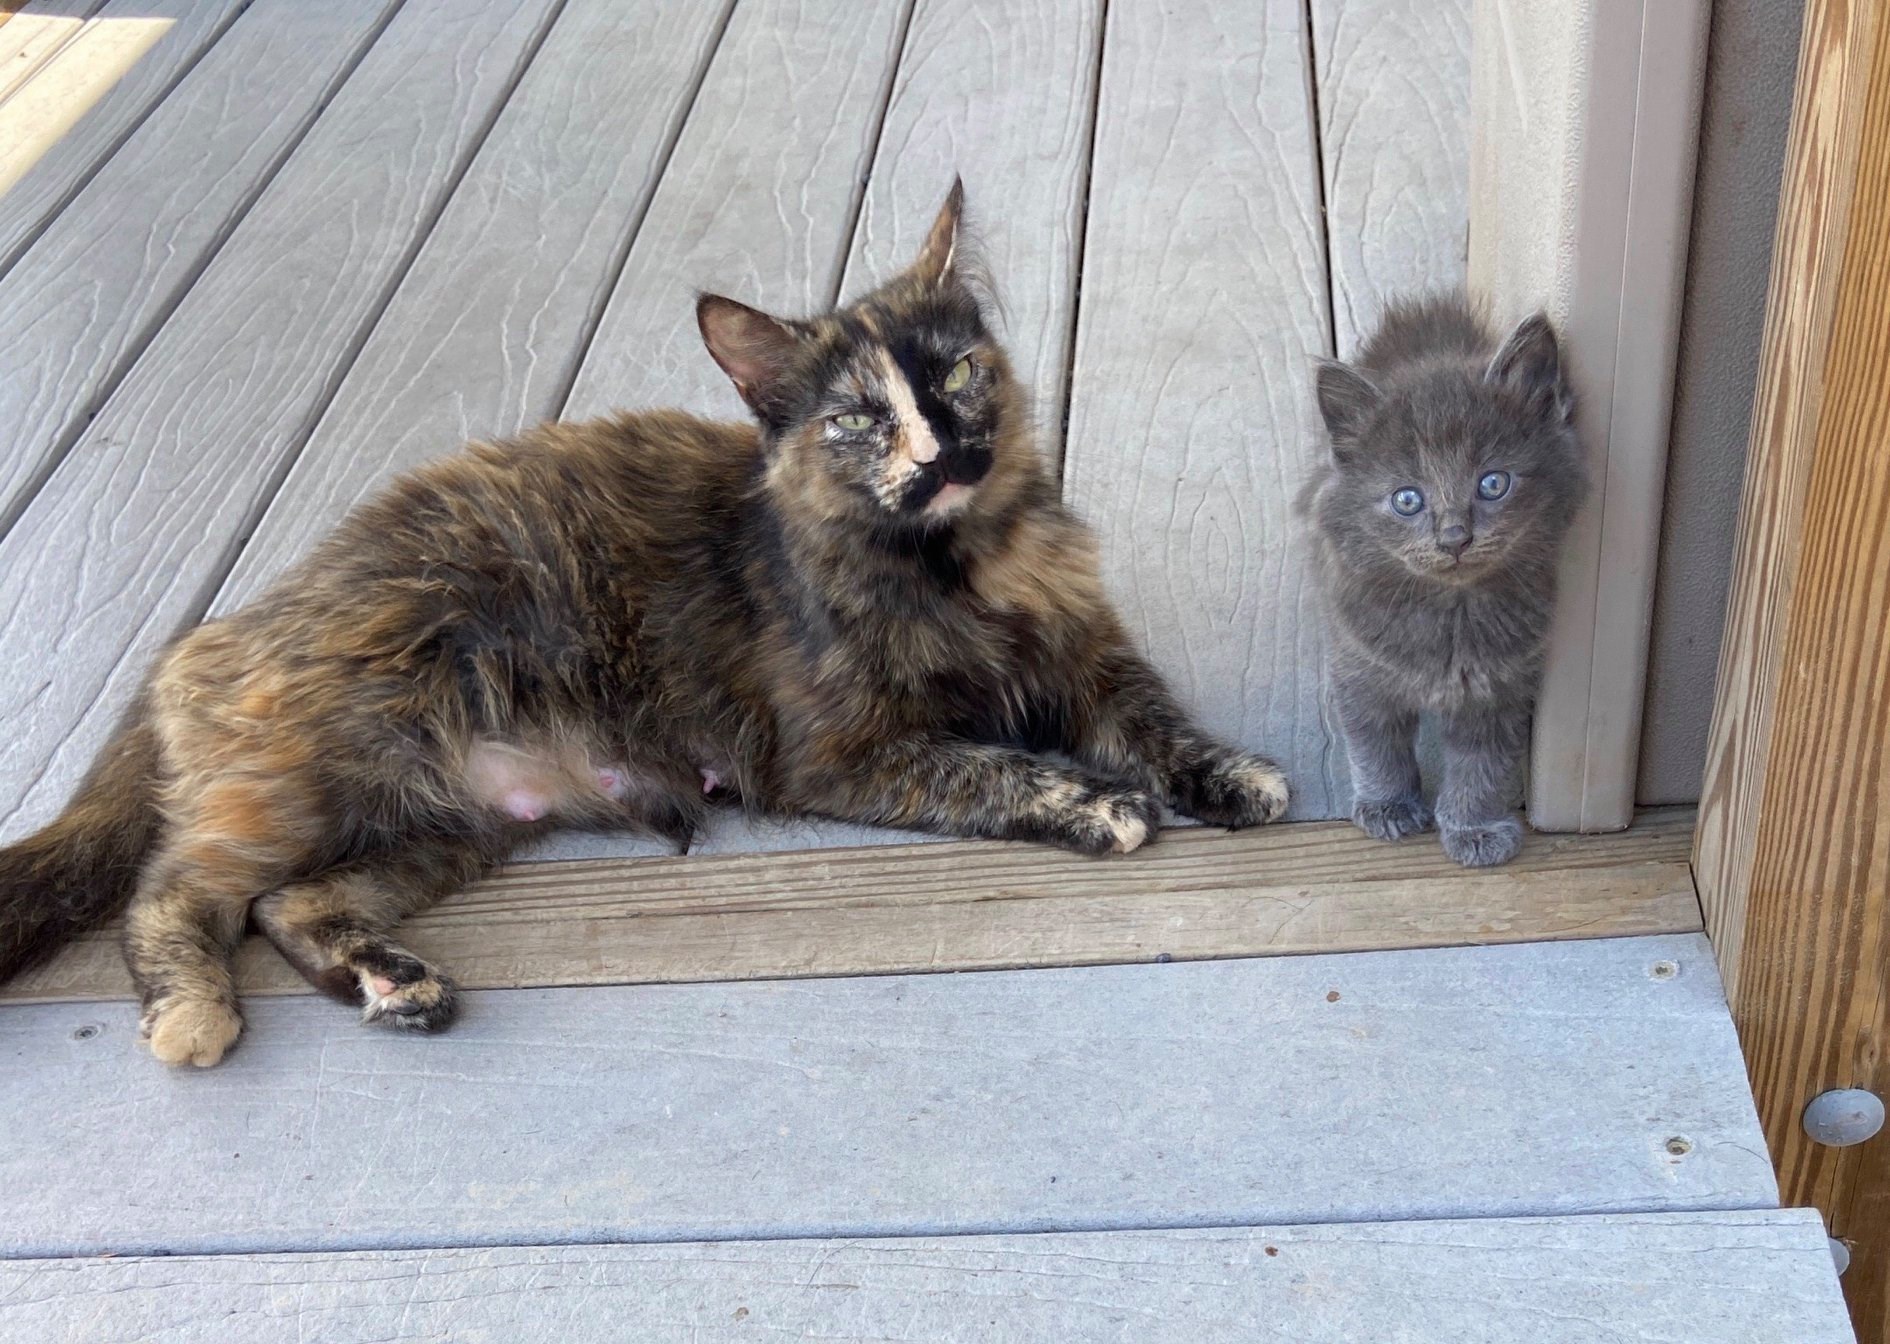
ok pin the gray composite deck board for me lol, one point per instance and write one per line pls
(130, 537)
(757, 201)
(486, 330)
(1393, 80)
(82, 302)
(88, 97)
(1000, 91)
(1539, 1079)
(1691, 1278)
(1202, 308)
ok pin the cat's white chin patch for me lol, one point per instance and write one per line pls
(950, 499)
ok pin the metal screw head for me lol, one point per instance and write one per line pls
(1843, 1116)
(1679, 1147)
(1664, 970)
(85, 1033)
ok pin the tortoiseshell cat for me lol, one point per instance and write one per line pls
(1453, 477)
(871, 607)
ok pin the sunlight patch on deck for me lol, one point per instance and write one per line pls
(39, 115)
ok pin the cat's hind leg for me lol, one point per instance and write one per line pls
(1381, 747)
(336, 930)
(181, 933)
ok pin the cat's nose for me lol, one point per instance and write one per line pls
(1453, 538)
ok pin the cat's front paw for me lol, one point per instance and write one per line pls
(1232, 789)
(185, 1030)
(1391, 818)
(1110, 820)
(1486, 845)
(403, 991)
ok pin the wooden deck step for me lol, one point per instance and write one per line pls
(967, 905)
(1537, 1079)
(1714, 1278)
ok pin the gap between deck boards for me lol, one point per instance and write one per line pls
(975, 905)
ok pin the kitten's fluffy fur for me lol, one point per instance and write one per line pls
(872, 607)
(1437, 597)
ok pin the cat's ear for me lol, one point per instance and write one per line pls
(1530, 361)
(939, 258)
(1347, 399)
(754, 350)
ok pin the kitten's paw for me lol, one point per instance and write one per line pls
(1111, 820)
(404, 991)
(1392, 818)
(191, 1031)
(1484, 846)
(1232, 789)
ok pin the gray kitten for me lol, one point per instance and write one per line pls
(1453, 477)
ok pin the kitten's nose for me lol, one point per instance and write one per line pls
(1453, 538)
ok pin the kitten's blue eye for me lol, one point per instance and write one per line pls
(1494, 485)
(1407, 501)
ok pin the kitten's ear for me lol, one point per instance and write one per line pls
(1530, 361)
(753, 349)
(1347, 399)
(939, 256)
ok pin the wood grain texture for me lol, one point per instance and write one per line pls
(1279, 1090)
(1808, 646)
(482, 337)
(91, 292)
(1688, 1278)
(57, 130)
(1393, 85)
(1814, 220)
(756, 202)
(130, 537)
(1202, 308)
(34, 34)
(964, 905)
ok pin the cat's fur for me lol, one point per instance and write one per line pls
(1445, 611)
(593, 625)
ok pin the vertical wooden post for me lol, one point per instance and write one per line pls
(1793, 849)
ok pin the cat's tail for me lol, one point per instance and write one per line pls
(81, 870)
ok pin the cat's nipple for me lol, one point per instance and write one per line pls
(524, 804)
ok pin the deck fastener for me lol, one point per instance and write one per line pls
(1664, 970)
(1843, 1116)
(1679, 1147)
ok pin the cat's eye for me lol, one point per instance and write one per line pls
(960, 375)
(1494, 485)
(854, 422)
(1407, 501)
